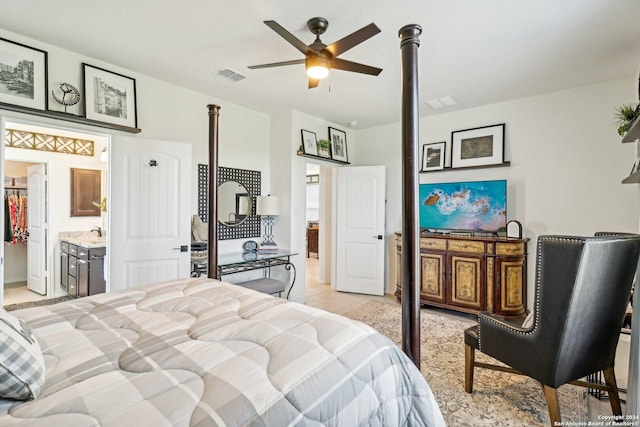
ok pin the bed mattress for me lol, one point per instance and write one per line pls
(202, 352)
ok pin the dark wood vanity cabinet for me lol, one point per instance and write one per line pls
(82, 269)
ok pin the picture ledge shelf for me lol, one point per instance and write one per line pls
(311, 156)
(66, 117)
(449, 168)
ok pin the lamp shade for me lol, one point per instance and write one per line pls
(317, 67)
(267, 206)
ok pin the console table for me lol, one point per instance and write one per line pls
(238, 262)
(471, 274)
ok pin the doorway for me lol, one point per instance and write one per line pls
(318, 228)
(40, 231)
(16, 241)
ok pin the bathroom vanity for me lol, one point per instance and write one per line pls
(82, 266)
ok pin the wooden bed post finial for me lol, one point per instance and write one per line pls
(410, 265)
(212, 262)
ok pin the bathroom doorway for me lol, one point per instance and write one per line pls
(39, 232)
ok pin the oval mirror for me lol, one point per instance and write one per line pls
(234, 203)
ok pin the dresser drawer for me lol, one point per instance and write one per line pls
(72, 267)
(73, 249)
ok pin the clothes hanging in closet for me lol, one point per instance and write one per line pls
(15, 217)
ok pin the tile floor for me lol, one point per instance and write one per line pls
(17, 292)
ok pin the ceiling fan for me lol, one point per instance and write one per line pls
(320, 58)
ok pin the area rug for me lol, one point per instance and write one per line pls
(48, 301)
(498, 399)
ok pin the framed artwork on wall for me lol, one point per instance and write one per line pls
(109, 97)
(433, 156)
(338, 140)
(23, 75)
(309, 142)
(478, 146)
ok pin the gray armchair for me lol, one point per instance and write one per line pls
(582, 290)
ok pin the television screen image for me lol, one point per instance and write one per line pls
(464, 206)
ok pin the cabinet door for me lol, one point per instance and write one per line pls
(82, 277)
(466, 281)
(97, 283)
(510, 284)
(432, 277)
(64, 270)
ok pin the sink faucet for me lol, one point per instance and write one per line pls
(98, 229)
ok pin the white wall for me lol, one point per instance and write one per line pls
(289, 182)
(567, 163)
(169, 112)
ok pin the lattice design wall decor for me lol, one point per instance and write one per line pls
(251, 180)
(47, 142)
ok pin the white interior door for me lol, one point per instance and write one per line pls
(150, 201)
(360, 201)
(38, 228)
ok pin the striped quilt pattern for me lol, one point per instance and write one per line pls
(199, 352)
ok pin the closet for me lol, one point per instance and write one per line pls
(16, 224)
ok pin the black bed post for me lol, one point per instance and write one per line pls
(212, 262)
(410, 41)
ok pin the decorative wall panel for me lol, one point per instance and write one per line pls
(251, 180)
(47, 142)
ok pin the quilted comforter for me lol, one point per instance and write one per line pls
(206, 353)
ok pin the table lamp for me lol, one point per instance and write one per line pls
(268, 208)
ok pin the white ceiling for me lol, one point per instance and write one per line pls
(476, 51)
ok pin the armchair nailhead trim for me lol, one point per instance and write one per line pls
(536, 308)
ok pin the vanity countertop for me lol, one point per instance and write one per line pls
(85, 239)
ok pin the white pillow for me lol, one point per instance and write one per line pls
(21, 363)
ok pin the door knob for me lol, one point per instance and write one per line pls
(183, 248)
(379, 237)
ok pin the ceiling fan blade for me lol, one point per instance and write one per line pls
(313, 83)
(343, 64)
(353, 39)
(277, 64)
(293, 40)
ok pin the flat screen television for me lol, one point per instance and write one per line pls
(479, 206)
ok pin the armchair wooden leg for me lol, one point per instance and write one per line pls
(551, 394)
(469, 359)
(614, 398)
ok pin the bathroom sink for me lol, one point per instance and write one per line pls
(87, 240)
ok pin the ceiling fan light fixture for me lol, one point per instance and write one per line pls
(317, 67)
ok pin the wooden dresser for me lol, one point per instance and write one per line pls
(471, 274)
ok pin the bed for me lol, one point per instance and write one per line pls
(203, 352)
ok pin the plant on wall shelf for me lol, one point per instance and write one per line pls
(102, 205)
(323, 147)
(626, 115)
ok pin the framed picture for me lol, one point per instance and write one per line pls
(433, 156)
(309, 142)
(109, 97)
(635, 166)
(478, 146)
(23, 75)
(338, 140)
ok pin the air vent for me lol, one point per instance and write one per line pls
(445, 101)
(230, 74)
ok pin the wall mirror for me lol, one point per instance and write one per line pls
(234, 203)
(237, 192)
